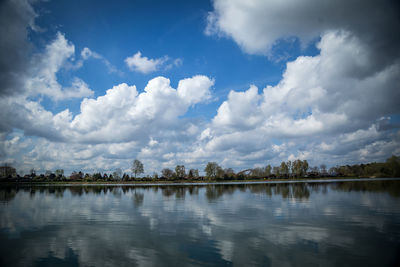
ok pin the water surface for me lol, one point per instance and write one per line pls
(346, 223)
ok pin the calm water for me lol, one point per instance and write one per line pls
(352, 223)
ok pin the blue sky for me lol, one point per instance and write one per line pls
(156, 29)
(242, 84)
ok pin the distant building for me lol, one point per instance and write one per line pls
(6, 171)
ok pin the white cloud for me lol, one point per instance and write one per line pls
(144, 64)
(330, 108)
(195, 90)
(314, 97)
(240, 111)
(121, 124)
(86, 54)
(43, 80)
(257, 25)
(175, 63)
(330, 105)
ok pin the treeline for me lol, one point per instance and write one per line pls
(390, 168)
(213, 172)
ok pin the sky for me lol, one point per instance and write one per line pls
(93, 85)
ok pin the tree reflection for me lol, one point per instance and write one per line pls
(71, 259)
(212, 192)
(7, 194)
(138, 199)
(389, 186)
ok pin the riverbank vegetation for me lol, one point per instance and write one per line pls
(297, 169)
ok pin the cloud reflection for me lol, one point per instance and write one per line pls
(242, 224)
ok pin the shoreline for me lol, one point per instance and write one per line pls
(186, 182)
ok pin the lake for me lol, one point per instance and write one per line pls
(329, 223)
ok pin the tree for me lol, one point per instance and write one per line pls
(290, 167)
(167, 173)
(212, 169)
(268, 170)
(393, 163)
(284, 169)
(304, 167)
(180, 171)
(97, 176)
(229, 173)
(193, 173)
(299, 167)
(257, 172)
(76, 175)
(332, 171)
(275, 170)
(59, 172)
(322, 167)
(125, 177)
(220, 173)
(137, 167)
(117, 174)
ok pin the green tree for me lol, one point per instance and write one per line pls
(393, 164)
(137, 167)
(300, 167)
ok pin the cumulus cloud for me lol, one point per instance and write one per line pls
(119, 124)
(331, 104)
(22, 72)
(257, 25)
(43, 79)
(121, 114)
(143, 64)
(108, 131)
(146, 65)
(334, 107)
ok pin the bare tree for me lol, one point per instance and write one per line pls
(323, 168)
(193, 173)
(167, 173)
(212, 169)
(180, 171)
(137, 167)
(117, 174)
